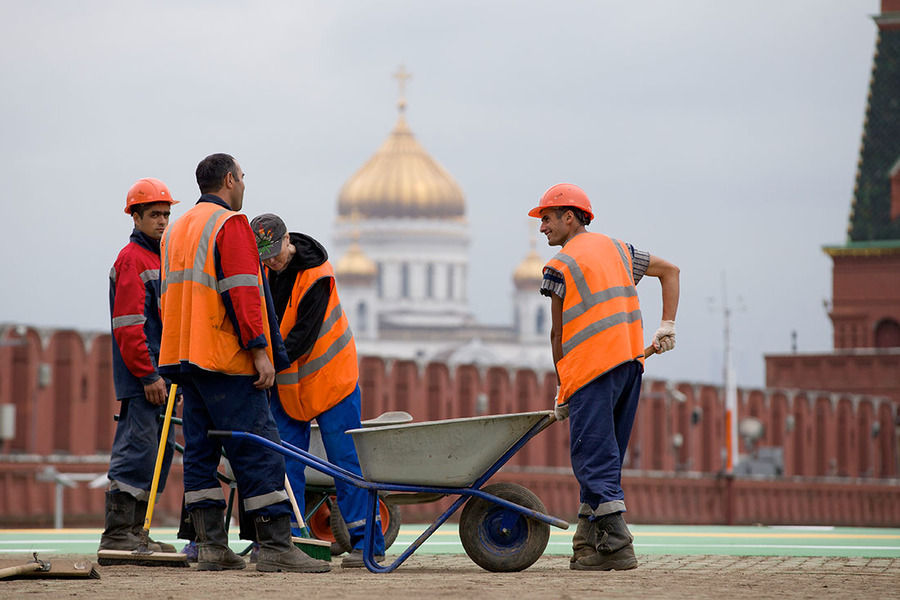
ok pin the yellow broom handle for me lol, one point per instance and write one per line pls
(159, 456)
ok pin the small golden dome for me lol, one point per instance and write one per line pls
(530, 271)
(401, 180)
(355, 264)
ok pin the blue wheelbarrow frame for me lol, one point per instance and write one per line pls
(508, 518)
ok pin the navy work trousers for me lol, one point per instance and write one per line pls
(135, 446)
(230, 402)
(339, 448)
(601, 415)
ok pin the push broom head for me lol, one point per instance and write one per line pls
(314, 548)
(107, 558)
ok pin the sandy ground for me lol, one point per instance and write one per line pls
(456, 576)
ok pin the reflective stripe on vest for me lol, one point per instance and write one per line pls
(329, 372)
(196, 327)
(601, 318)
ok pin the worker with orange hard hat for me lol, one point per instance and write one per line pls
(136, 331)
(598, 348)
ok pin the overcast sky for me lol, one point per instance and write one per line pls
(722, 136)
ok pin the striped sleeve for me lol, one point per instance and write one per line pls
(553, 283)
(640, 261)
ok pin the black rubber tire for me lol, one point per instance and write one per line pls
(503, 551)
(389, 529)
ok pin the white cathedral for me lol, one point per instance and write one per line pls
(403, 241)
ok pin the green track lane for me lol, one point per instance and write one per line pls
(649, 539)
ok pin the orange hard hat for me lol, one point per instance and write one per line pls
(147, 191)
(563, 194)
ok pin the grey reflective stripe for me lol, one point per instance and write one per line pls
(126, 320)
(319, 362)
(599, 326)
(336, 313)
(605, 508)
(112, 274)
(591, 299)
(190, 275)
(207, 494)
(316, 364)
(196, 273)
(150, 275)
(238, 281)
(258, 502)
(138, 493)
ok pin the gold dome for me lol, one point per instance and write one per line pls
(355, 264)
(530, 272)
(401, 180)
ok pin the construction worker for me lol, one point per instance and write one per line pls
(322, 382)
(141, 391)
(221, 346)
(597, 342)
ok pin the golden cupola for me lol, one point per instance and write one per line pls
(354, 266)
(530, 272)
(401, 180)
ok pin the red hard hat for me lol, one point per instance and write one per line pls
(147, 191)
(563, 194)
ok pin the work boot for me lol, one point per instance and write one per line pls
(140, 513)
(213, 553)
(613, 542)
(355, 559)
(278, 553)
(118, 534)
(580, 546)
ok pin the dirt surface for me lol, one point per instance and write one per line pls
(452, 576)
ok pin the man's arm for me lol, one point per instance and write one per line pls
(128, 321)
(556, 310)
(669, 280)
(237, 271)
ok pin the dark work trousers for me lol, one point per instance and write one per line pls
(340, 451)
(135, 446)
(601, 415)
(230, 402)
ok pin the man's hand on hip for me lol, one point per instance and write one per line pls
(265, 369)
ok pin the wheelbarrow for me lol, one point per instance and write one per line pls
(323, 515)
(503, 527)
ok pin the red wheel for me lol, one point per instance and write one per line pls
(320, 522)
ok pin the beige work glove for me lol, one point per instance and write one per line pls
(664, 338)
(560, 410)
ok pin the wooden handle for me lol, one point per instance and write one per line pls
(13, 571)
(151, 502)
(649, 351)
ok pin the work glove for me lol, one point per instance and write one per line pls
(560, 410)
(664, 338)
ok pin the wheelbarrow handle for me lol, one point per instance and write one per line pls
(218, 433)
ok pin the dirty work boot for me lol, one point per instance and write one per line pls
(213, 553)
(278, 553)
(615, 552)
(355, 559)
(118, 534)
(140, 513)
(580, 546)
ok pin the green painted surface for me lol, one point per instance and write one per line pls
(649, 539)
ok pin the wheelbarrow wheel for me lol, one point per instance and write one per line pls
(499, 539)
(390, 525)
(319, 523)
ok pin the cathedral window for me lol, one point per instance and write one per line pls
(429, 281)
(404, 280)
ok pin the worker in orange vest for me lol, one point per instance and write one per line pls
(597, 342)
(221, 345)
(136, 331)
(322, 382)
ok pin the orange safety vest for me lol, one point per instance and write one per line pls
(196, 328)
(601, 318)
(329, 372)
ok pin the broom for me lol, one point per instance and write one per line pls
(314, 548)
(143, 556)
